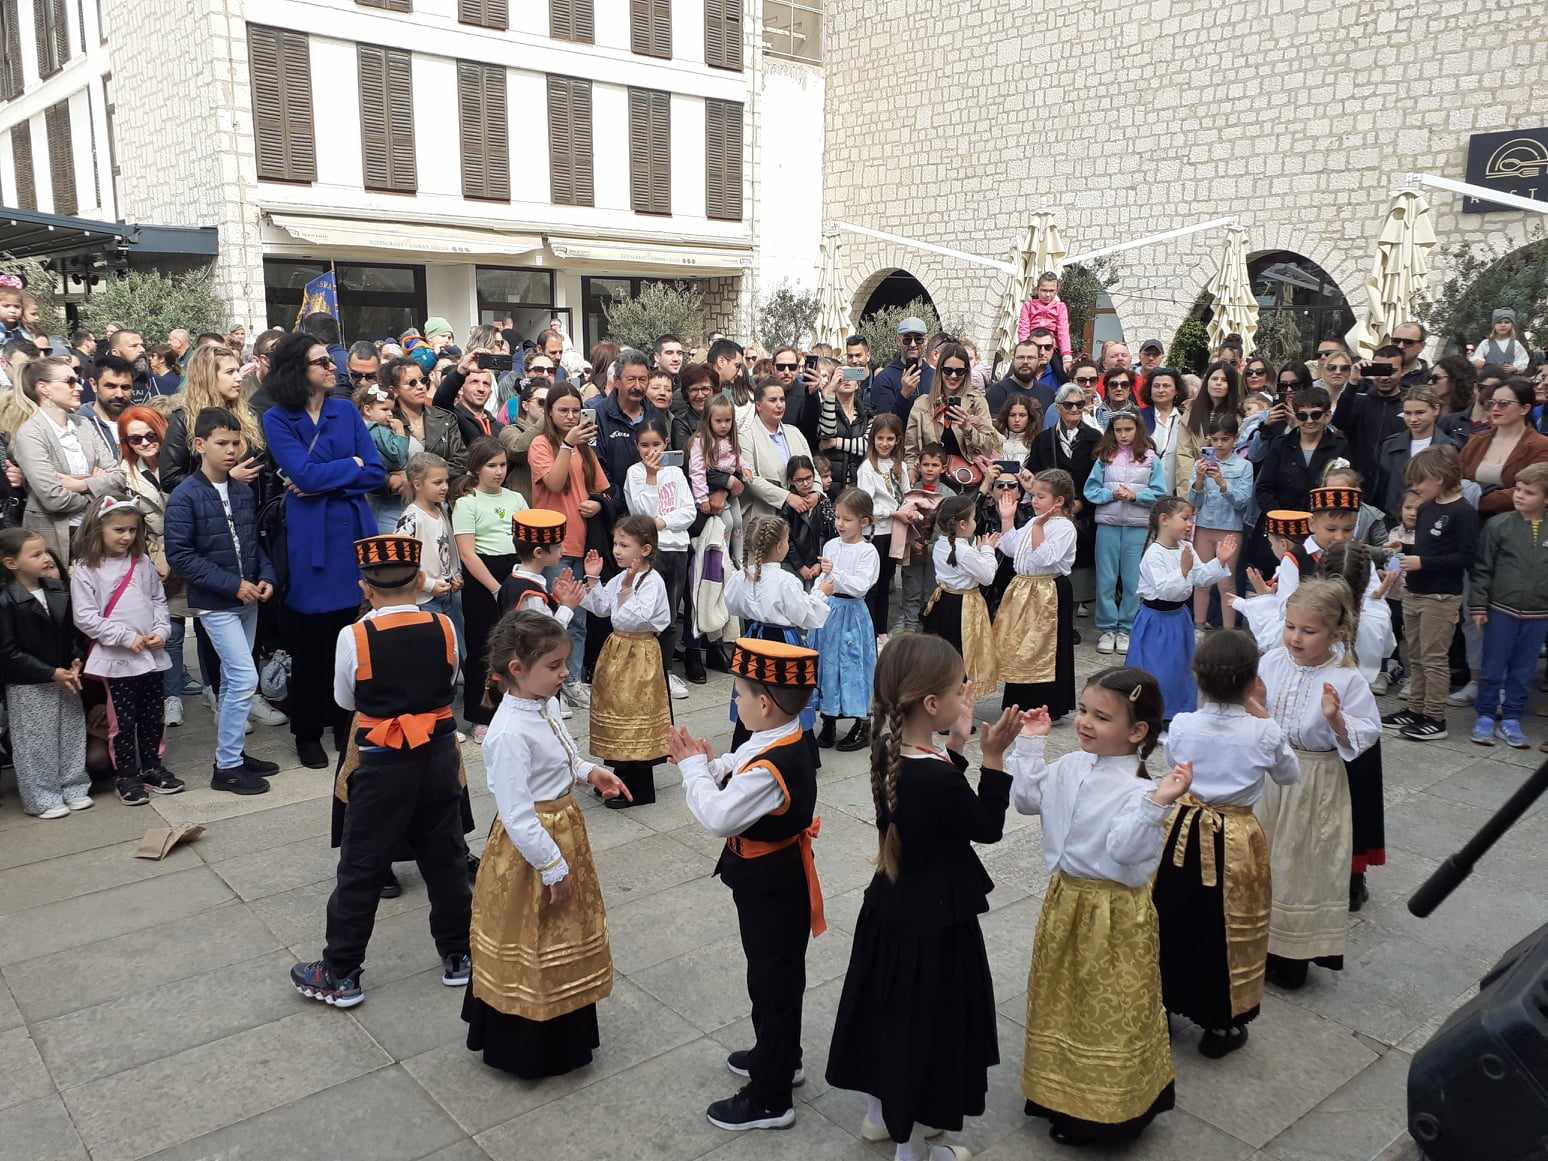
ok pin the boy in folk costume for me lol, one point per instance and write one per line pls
(762, 798)
(396, 667)
(539, 537)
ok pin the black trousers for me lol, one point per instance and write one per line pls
(878, 599)
(776, 924)
(313, 641)
(408, 797)
(674, 571)
(138, 726)
(480, 614)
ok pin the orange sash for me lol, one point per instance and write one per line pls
(411, 730)
(756, 849)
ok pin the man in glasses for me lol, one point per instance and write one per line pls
(901, 381)
(1368, 417)
(364, 363)
(1030, 373)
(1409, 338)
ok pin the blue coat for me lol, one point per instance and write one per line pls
(198, 542)
(323, 525)
(887, 389)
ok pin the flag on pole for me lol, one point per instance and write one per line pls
(321, 295)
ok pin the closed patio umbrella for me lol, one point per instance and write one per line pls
(1235, 306)
(832, 307)
(1399, 269)
(1042, 251)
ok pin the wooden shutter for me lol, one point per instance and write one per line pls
(482, 119)
(61, 158)
(650, 151)
(723, 34)
(484, 13)
(388, 5)
(573, 20)
(723, 160)
(21, 155)
(569, 142)
(280, 73)
(50, 22)
(650, 27)
(387, 118)
(10, 51)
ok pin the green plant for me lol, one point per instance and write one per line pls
(880, 330)
(1190, 348)
(660, 308)
(787, 315)
(38, 281)
(1482, 278)
(1080, 288)
(154, 304)
(1278, 338)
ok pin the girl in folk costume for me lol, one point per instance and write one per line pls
(884, 477)
(847, 640)
(1212, 892)
(1034, 628)
(539, 933)
(1325, 707)
(915, 1029)
(956, 609)
(1098, 1063)
(630, 710)
(1163, 641)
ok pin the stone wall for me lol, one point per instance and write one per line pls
(1131, 118)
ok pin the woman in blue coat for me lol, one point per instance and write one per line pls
(322, 451)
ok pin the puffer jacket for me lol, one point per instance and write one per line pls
(199, 547)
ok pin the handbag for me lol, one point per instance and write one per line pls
(272, 532)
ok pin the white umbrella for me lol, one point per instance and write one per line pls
(1235, 307)
(1042, 252)
(1398, 271)
(832, 308)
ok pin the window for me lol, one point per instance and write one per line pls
(486, 159)
(388, 5)
(598, 293)
(650, 151)
(650, 27)
(50, 21)
(11, 79)
(21, 154)
(526, 297)
(572, 20)
(723, 160)
(387, 118)
(793, 29)
(280, 70)
(61, 158)
(374, 301)
(484, 13)
(569, 142)
(723, 34)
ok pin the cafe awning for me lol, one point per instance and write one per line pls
(30, 234)
(409, 237)
(688, 259)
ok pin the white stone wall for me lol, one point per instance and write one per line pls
(1133, 118)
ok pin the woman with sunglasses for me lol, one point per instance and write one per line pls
(1070, 445)
(954, 414)
(1257, 375)
(1453, 381)
(429, 428)
(1293, 465)
(1491, 460)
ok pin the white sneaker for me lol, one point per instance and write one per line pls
(1083, 609)
(1106, 642)
(677, 686)
(1381, 683)
(172, 711)
(54, 812)
(577, 694)
(1464, 696)
(265, 714)
(1123, 643)
(871, 1131)
(81, 803)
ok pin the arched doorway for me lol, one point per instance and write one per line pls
(896, 288)
(1292, 291)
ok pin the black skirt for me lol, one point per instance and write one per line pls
(916, 1022)
(531, 1049)
(1367, 810)
(1059, 694)
(1075, 1131)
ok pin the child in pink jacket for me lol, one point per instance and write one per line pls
(1046, 309)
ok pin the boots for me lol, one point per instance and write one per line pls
(826, 734)
(858, 738)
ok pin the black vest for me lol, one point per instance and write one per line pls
(403, 665)
(515, 589)
(792, 764)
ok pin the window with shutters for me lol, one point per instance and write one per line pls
(569, 142)
(50, 21)
(388, 5)
(481, 109)
(793, 29)
(21, 157)
(11, 79)
(650, 151)
(573, 20)
(280, 72)
(61, 158)
(723, 160)
(650, 27)
(723, 34)
(484, 13)
(109, 110)
(387, 118)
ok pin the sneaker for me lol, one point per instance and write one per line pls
(391, 887)
(742, 1112)
(1425, 730)
(53, 812)
(265, 714)
(578, 694)
(827, 734)
(311, 754)
(456, 970)
(316, 981)
(1400, 720)
(1123, 643)
(130, 792)
(172, 711)
(78, 804)
(1483, 732)
(237, 780)
(1463, 696)
(871, 1131)
(1106, 642)
(259, 766)
(677, 687)
(736, 1064)
(192, 686)
(1510, 731)
(693, 666)
(1380, 684)
(1083, 609)
(161, 781)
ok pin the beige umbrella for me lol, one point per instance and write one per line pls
(1235, 307)
(832, 308)
(1041, 251)
(1398, 271)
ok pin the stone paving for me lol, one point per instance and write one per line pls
(145, 1009)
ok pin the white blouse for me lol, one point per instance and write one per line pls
(1054, 557)
(725, 801)
(885, 495)
(670, 498)
(975, 565)
(856, 567)
(563, 613)
(1099, 821)
(1161, 577)
(1232, 752)
(1265, 617)
(529, 757)
(1295, 701)
(776, 598)
(645, 611)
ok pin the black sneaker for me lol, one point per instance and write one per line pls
(130, 792)
(1359, 893)
(736, 1064)
(311, 753)
(1400, 720)
(456, 970)
(237, 780)
(858, 738)
(742, 1112)
(316, 981)
(391, 888)
(1425, 730)
(693, 666)
(472, 868)
(162, 781)
(825, 736)
(258, 766)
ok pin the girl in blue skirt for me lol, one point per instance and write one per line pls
(846, 643)
(1162, 641)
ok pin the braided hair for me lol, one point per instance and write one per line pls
(1159, 511)
(1351, 563)
(764, 534)
(1140, 693)
(951, 512)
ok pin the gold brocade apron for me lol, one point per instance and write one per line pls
(1244, 887)
(1026, 630)
(1310, 837)
(532, 958)
(629, 715)
(978, 656)
(1096, 1047)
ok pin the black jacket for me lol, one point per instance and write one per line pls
(33, 641)
(1047, 454)
(469, 427)
(1366, 419)
(1285, 479)
(615, 439)
(1386, 490)
(198, 542)
(999, 393)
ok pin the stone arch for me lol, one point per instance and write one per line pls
(1298, 283)
(886, 287)
(1500, 283)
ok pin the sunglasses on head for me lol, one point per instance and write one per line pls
(1311, 416)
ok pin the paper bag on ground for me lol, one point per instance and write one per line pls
(159, 840)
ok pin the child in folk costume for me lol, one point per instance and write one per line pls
(1034, 627)
(397, 668)
(1212, 892)
(761, 799)
(915, 1029)
(539, 537)
(1098, 1063)
(630, 709)
(1162, 641)
(539, 933)
(847, 639)
(956, 609)
(1325, 707)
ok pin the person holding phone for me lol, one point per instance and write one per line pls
(1293, 465)
(900, 382)
(955, 415)
(842, 426)
(429, 428)
(1367, 417)
(658, 489)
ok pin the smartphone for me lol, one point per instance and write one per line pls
(854, 374)
(910, 363)
(590, 417)
(672, 459)
(489, 361)
(1009, 467)
(1378, 370)
(811, 362)
(1209, 455)
(954, 401)
(1395, 562)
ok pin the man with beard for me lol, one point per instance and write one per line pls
(1029, 375)
(115, 386)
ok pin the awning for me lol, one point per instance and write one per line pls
(29, 234)
(343, 233)
(700, 259)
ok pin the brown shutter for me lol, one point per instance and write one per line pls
(484, 13)
(723, 34)
(496, 131)
(280, 74)
(569, 142)
(400, 121)
(481, 107)
(10, 51)
(650, 151)
(572, 20)
(650, 27)
(388, 5)
(387, 118)
(61, 158)
(61, 32)
(21, 154)
(723, 160)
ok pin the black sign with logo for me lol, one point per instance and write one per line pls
(1515, 162)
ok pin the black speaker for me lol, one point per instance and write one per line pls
(1478, 1090)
